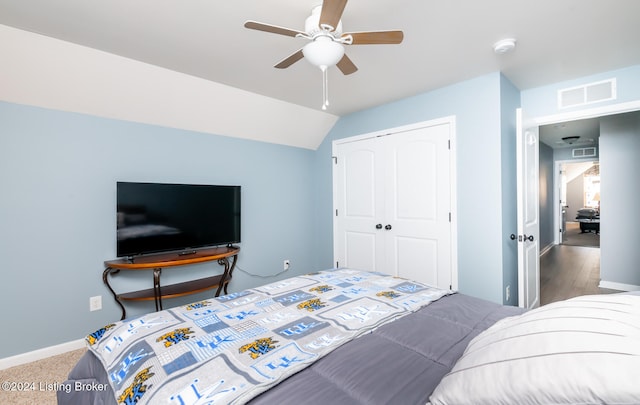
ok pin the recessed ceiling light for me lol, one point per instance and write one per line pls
(504, 45)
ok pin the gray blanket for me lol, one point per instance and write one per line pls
(399, 363)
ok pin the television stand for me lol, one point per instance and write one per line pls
(160, 261)
(188, 252)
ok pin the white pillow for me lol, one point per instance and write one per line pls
(585, 350)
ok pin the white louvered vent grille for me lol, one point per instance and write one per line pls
(587, 94)
(584, 152)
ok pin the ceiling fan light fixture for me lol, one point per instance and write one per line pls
(323, 51)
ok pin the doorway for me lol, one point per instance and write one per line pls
(570, 264)
(578, 193)
(571, 269)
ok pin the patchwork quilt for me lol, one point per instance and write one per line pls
(229, 349)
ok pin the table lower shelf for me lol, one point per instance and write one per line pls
(158, 292)
(175, 290)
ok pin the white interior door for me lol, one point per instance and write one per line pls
(392, 200)
(358, 200)
(417, 205)
(528, 214)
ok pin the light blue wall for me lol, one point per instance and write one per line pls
(620, 192)
(547, 208)
(542, 101)
(58, 173)
(476, 105)
(509, 103)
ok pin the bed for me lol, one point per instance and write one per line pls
(351, 337)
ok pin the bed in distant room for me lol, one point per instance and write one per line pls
(351, 337)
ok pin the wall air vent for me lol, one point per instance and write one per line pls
(583, 152)
(590, 93)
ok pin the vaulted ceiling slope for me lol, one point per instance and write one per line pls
(205, 42)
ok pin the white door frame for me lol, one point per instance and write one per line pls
(612, 109)
(451, 120)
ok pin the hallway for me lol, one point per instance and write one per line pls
(570, 271)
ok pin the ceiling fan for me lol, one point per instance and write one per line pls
(324, 29)
(575, 140)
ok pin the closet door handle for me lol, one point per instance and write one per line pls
(387, 227)
(379, 226)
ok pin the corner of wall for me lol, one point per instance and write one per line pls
(509, 103)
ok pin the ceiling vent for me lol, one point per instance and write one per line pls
(595, 92)
(583, 152)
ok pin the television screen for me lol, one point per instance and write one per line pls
(158, 217)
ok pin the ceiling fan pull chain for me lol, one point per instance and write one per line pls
(325, 88)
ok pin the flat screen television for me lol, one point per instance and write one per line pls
(159, 217)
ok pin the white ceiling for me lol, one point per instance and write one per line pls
(445, 41)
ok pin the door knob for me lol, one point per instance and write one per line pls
(513, 237)
(378, 226)
(387, 227)
(530, 238)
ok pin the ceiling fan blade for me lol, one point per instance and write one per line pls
(346, 66)
(274, 29)
(375, 37)
(331, 13)
(290, 60)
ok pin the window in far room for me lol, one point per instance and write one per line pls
(592, 187)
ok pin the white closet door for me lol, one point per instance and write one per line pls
(417, 205)
(359, 199)
(392, 199)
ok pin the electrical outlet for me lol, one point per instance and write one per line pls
(287, 264)
(95, 303)
(507, 293)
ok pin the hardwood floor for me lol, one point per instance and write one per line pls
(570, 271)
(575, 237)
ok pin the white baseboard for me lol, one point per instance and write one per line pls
(618, 286)
(546, 248)
(40, 354)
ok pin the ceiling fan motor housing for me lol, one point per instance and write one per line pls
(313, 29)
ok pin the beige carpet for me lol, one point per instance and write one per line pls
(35, 383)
